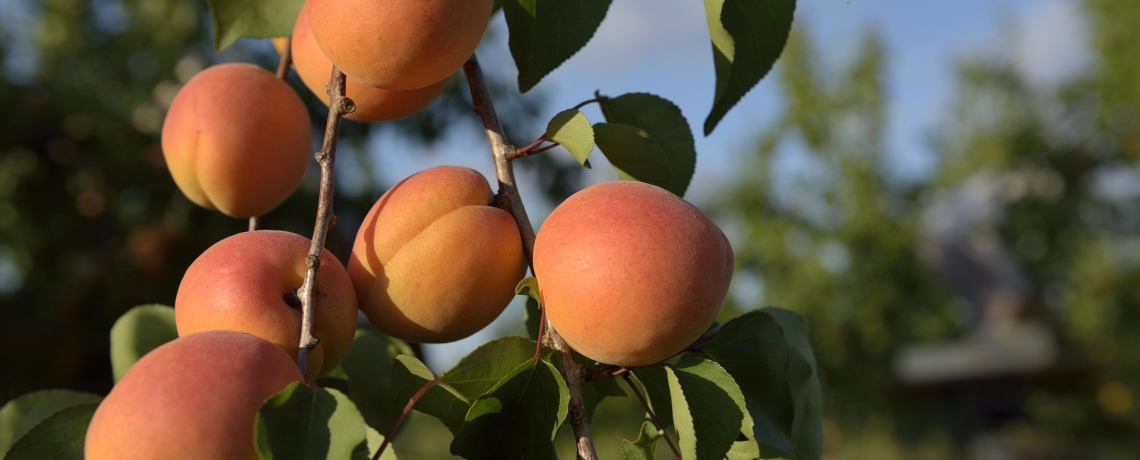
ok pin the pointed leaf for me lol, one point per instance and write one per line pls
(20, 415)
(747, 38)
(59, 437)
(440, 401)
(572, 130)
(518, 417)
(137, 332)
(306, 423)
(646, 443)
(779, 382)
(528, 287)
(545, 33)
(368, 371)
(664, 122)
(635, 155)
(706, 408)
(234, 19)
(483, 368)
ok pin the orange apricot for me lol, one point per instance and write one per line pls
(245, 283)
(432, 261)
(372, 104)
(193, 398)
(237, 139)
(399, 44)
(629, 273)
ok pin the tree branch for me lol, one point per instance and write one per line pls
(339, 105)
(508, 192)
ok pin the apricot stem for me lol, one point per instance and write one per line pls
(502, 152)
(339, 105)
(403, 414)
(253, 221)
(652, 417)
(286, 59)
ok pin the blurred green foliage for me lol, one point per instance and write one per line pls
(843, 245)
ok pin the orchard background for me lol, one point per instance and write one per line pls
(907, 174)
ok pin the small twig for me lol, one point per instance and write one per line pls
(533, 145)
(651, 416)
(286, 59)
(400, 420)
(589, 101)
(339, 105)
(572, 371)
(606, 371)
(541, 331)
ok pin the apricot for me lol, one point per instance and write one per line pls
(237, 139)
(433, 262)
(629, 273)
(399, 44)
(193, 398)
(372, 104)
(245, 283)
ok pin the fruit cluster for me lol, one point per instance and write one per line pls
(629, 273)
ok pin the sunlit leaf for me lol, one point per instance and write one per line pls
(137, 332)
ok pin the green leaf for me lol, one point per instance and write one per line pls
(747, 38)
(532, 315)
(20, 415)
(594, 392)
(635, 155)
(664, 122)
(368, 368)
(706, 408)
(480, 370)
(545, 33)
(234, 19)
(58, 437)
(305, 423)
(440, 401)
(767, 353)
(137, 332)
(529, 287)
(518, 417)
(572, 130)
(654, 386)
(367, 449)
(646, 443)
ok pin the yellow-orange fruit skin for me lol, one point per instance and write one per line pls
(194, 398)
(631, 274)
(432, 261)
(399, 44)
(372, 104)
(237, 139)
(239, 284)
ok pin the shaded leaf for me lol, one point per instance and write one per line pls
(532, 315)
(234, 19)
(528, 287)
(545, 33)
(20, 415)
(305, 423)
(664, 122)
(594, 392)
(518, 417)
(706, 408)
(440, 401)
(368, 371)
(779, 383)
(137, 332)
(654, 386)
(747, 38)
(646, 443)
(58, 437)
(635, 154)
(572, 130)
(373, 439)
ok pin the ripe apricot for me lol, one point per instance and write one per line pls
(432, 261)
(245, 283)
(372, 104)
(193, 398)
(237, 139)
(631, 274)
(399, 44)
